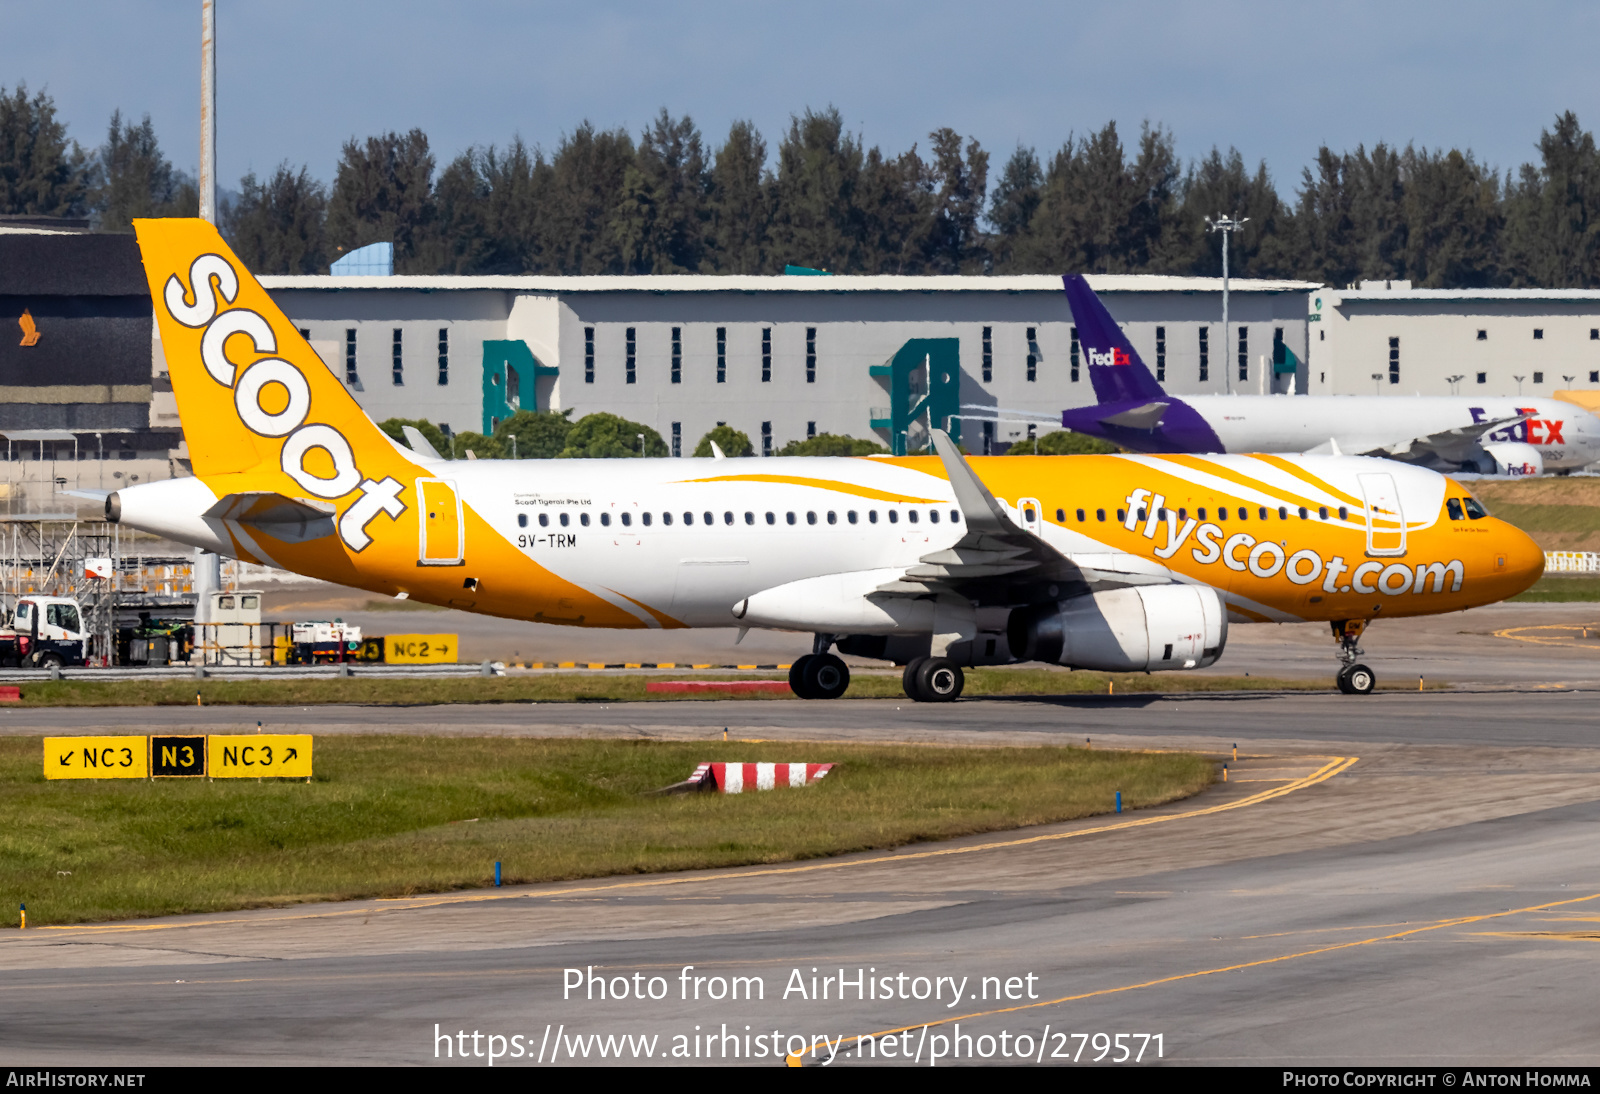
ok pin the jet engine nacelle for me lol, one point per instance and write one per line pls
(1516, 460)
(1125, 630)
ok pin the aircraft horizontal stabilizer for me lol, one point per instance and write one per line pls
(285, 519)
(1147, 416)
(419, 443)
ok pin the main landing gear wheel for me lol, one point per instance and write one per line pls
(934, 680)
(1357, 680)
(824, 677)
(797, 675)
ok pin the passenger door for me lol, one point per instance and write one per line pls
(443, 530)
(1386, 524)
(1032, 515)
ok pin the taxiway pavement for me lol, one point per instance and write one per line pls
(1402, 879)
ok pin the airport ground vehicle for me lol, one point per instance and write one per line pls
(935, 562)
(46, 632)
(1489, 436)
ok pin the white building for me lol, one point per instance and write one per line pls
(779, 358)
(1390, 339)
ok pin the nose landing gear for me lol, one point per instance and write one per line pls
(1354, 678)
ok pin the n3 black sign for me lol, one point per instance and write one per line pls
(172, 757)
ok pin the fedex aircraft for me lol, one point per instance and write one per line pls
(1491, 436)
(939, 562)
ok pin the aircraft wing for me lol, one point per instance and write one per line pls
(998, 562)
(1450, 445)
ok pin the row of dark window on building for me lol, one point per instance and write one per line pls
(1031, 368)
(708, 518)
(1483, 377)
(630, 355)
(352, 376)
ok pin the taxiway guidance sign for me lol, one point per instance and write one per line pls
(177, 757)
(420, 649)
(235, 756)
(259, 756)
(97, 757)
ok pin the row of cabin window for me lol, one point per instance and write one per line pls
(709, 518)
(1262, 513)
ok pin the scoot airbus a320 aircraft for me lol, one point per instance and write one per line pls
(1107, 562)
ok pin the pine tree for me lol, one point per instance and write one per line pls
(133, 179)
(659, 223)
(1087, 211)
(1377, 209)
(954, 242)
(41, 172)
(1553, 212)
(1453, 220)
(739, 204)
(1011, 209)
(1324, 246)
(277, 227)
(815, 218)
(586, 184)
(1221, 185)
(383, 192)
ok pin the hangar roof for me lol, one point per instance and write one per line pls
(41, 263)
(840, 283)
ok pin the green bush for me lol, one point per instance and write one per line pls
(540, 435)
(730, 440)
(831, 444)
(1063, 442)
(481, 447)
(606, 436)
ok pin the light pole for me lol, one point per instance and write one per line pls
(1519, 380)
(1377, 383)
(641, 444)
(208, 111)
(1454, 382)
(1227, 226)
(1569, 379)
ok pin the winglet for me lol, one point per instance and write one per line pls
(978, 507)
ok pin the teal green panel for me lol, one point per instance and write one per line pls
(505, 360)
(938, 360)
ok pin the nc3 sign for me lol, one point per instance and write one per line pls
(231, 756)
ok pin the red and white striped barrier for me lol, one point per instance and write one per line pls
(737, 778)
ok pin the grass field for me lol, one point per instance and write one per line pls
(1562, 588)
(569, 687)
(1560, 513)
(394, 816)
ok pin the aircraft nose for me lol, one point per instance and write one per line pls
(1524, 559)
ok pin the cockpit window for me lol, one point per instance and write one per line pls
(1475, 511)
(1453, 507)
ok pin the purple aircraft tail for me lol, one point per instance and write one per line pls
(1115, 370)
